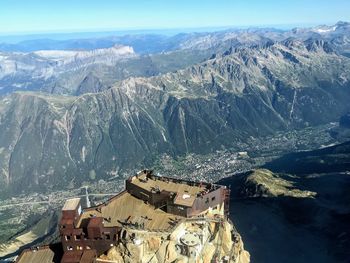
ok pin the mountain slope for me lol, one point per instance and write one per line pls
(60, 67)
(303, 216)
(331, 159)
(243, 92)
(65, 72)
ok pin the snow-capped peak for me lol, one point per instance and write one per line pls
(323, 30)
(116, 50)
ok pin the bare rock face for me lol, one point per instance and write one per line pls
(90, 84)
(115, 255)
(153, 243)
(57, 71)
(168, 254)
(197, 241)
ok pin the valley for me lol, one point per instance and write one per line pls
(252, 154)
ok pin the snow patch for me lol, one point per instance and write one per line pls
(326, 30)
(69, 54)
(164, 138)
(83, 153)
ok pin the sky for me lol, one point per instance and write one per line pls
(35, 16)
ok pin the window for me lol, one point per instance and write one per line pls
(213, 198)
(123, 234)
(88, 247)
(108, 236)
(67, 238)
(79, 248)
(77, 237)
(70, 248)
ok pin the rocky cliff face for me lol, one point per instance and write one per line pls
(243, 92)
(40, 70)
(210, 242)
(67, 71)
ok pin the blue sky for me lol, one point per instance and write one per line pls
(31, 16)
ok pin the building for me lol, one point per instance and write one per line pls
(176, 196)
(148, 203)
(44, 254)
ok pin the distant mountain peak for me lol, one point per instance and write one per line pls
(342, 23)
(318, 44)
(325, 29)
(118, 50)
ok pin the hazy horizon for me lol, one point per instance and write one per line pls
(34, 17)
(96, 33)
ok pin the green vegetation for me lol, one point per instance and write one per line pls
(10, 224)
(263, 182)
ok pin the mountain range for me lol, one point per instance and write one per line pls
(102, 111)
(72, 67)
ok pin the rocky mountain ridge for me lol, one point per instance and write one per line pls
(212, 105)
(65, 72)
(157, 43)
(61, 69)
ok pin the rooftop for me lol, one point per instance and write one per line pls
(71, 204)
(45, 254)
(127, 209)
(184, 199)
(157, 183)
(86, 256)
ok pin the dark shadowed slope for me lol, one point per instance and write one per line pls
(299, 217)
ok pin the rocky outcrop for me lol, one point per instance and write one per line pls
(263, 183)
(90, 84)
(209, 241)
